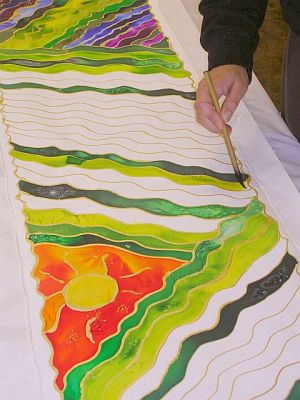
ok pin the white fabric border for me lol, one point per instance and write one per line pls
(24, 352)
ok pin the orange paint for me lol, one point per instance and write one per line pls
(76, 335)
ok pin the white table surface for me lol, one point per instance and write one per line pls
(283, 143)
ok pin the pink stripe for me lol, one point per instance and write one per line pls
(158, 38)
(130, 33)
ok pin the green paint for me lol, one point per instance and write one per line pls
(150, 171)
(256, 293)
(94, 63)
(140, 347)
(76, 157)
(231, 227)
(295, 392)
(133, 54)
(155, 206)
(71, 230)
(87, 239)
(112, 91)
(46, 32)
(158, 235)
(88, 52)
(92, 16)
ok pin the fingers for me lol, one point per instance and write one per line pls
(205, 112)
(230, 81)
(235, 95)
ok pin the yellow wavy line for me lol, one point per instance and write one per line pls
(124, 138)
(102, 134)
(78, 95)
(99, 108)
(78, 80)
(110, 126)
(277, 378)
(264, 367)
(93, 121)
(250, 358)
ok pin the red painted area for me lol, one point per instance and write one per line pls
(76, 335)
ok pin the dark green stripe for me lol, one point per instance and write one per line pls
(93, 239)
(92, 50)
(76, 157)
(71, 230)
(295, 392)
(113, 91)
(93, 63)
(154, 206)
(256, 293)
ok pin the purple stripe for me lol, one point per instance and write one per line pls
(144, 33)
(12, 4)
(116, 32)
(96, 33)
(25, 12)
(133, 32)
(158, 38)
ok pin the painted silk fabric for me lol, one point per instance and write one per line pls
(133, 213)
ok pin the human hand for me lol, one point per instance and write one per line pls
(230, 81)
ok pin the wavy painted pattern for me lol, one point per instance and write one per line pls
(135, 218)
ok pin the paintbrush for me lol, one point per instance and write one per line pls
(224, 132)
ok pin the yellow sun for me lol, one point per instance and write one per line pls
(90, 291)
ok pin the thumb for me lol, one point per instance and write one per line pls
(232, 100)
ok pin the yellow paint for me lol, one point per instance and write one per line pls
(90, 291)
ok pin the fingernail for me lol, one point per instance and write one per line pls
(227, 116)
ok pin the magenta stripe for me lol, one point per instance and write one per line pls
(130, 33)
(158, 38)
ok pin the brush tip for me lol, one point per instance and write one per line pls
(239, 178)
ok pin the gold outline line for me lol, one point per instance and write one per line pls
(93, 106)
(265, 366)
(79, 94)
(175, 82)
(187, 304)
(136, 184)
(109, 135)
(239, 347)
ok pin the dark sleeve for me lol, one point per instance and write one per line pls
(230, 31)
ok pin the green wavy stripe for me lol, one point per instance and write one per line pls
(102, 54)
(112, 91)
(77, 157)
(71, 230)
(87, 62)
(228, 228)
(158, 235)
(140, 347)
(155, 206)
(89, 52)
(155, 69)
(106, 164)
(45, 31)
(87, 239)
(256, 293)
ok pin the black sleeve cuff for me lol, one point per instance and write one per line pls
(224, 50)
